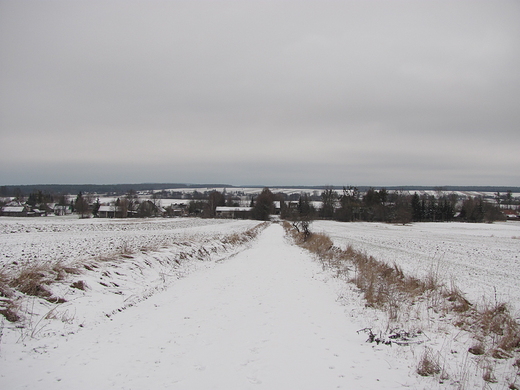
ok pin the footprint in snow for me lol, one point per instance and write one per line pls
(254, 381)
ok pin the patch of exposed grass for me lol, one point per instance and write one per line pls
(9, 310)
(80, 285)
(32, 280)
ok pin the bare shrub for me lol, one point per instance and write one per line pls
(428, 365)
(459, 303)
(496, 323)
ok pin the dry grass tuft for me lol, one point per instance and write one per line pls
(34, 280)
(233, 239)
(236, 239)
(428, 365)
(80, 285)
(496, 324)
(9, 310)
(459, 303)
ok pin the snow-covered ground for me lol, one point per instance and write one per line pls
(483, 260)
(57, 239)
(266, 318)
(260, 315)
(117, 263)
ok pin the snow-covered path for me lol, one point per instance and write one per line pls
(265, 319)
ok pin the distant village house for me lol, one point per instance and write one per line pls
(233, 212)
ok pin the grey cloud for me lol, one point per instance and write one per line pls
(225, 86)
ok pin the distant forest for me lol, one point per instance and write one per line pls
(121, 189)
(111, 189)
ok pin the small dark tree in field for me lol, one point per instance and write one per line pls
(81, 205)
(382, 209)
(63, 201)
(498, 198)
(263, 205)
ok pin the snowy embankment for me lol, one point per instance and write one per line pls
(94, 268)
(267, 318)
(483, 260)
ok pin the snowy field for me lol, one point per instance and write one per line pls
(483, 260)
(173, 304)
(266, 318)
(57, 239)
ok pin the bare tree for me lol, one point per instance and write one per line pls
(215, 199)
(329, 198)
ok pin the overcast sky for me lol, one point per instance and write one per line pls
(260, 92)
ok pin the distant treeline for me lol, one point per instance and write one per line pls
(120, 189)
(347, 205)
(111, 189)
(382, 205)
